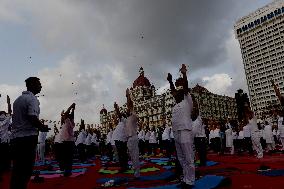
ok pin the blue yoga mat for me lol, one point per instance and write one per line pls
(206, 182)
(168, 167)
(162, 176)
(273, 173)
(79, 164)
(211, 163)
(55, 172)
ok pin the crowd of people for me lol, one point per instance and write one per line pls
(189, 136)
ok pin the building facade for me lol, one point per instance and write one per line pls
(261, 39)
(153, 109)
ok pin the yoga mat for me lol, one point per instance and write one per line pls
(168, 167)
(273, 173)
(208, 163)
(79, 164)
(46, 172)
(59, 175)
(162, 176)
(150, 169)
(206, 182)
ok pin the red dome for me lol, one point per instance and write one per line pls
(141, 80)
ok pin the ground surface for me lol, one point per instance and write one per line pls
(242, 170)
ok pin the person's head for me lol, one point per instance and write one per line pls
(179, 95)
(33, 85)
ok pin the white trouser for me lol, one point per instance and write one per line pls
(269, 146)
(184, 147)
(256, 145)
(41, 151)
(132, 145)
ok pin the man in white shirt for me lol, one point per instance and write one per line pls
(182, 127)
(131, 133)
(25, 128)
(5, 121)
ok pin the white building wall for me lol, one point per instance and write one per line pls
(261, 39)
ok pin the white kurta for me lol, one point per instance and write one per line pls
(81, 137)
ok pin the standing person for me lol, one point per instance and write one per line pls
(235, 143)
(141, 138)
(255, 132)
(80, 142)
(217, 139)
(57, 144)
(5, 121)
(88, 142)
(247, 138)
(25, 128)
(268, 137)
(281, 130)
(131, 133)
(229, 138)
(153, 141)
(41, 146)
(67, 137)
(108, 144)
(95, 143)
(200, 140)
(166, 140)
(182, 127)
(120, 139)
(147, 137)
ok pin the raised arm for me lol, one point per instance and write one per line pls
(72, 107)
(172, 86)
(9, 105)
(183, 70)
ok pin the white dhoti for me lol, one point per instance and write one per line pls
(185, 154)
(256, 145)
(132, 145)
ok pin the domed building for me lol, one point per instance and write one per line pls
(153, 110)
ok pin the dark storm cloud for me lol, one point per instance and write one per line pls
(162, 34)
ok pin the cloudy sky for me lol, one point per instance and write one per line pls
(90, 51)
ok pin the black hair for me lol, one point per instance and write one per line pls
(31, 80)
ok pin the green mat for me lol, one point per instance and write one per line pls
(150, 169)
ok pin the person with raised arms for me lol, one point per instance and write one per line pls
(131, 134)
(182, 127)
(67, 137)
